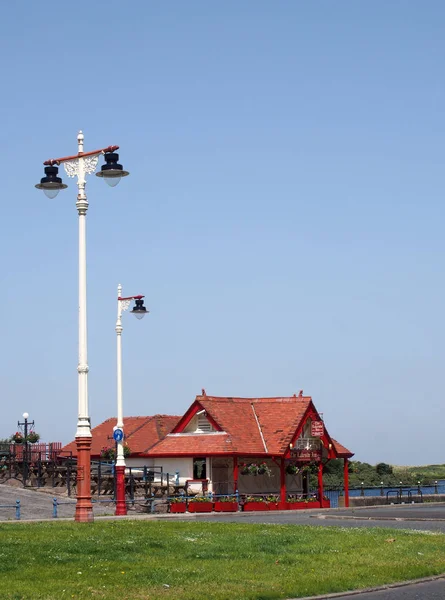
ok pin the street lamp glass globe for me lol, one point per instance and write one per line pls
(112, 181)
(51, 193)
(139, 315)
(25, 415)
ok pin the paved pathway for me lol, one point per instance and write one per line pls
(36, 505)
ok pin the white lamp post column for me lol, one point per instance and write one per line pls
(121, 505)
(80, 165)
(139, 310)
(84, 507)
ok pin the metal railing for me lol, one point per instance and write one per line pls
(15, 506)
(308, 444)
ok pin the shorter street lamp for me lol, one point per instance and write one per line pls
(139, 311)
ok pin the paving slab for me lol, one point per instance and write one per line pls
(37, 505)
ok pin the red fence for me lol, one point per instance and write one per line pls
(37, 451)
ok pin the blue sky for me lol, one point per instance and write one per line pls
(284, 215)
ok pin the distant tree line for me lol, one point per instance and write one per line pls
(373, 475)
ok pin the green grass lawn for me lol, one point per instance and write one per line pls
(138, 560)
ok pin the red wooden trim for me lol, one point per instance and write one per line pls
(320, 482)
(311, 412)
(186, 418)
(346, 481)
(235, 474)
(195, 407)
(212, 421)
(283, 494)
(195, 453)
(57, 161)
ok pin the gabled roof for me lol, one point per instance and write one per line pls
(243, 426)
(255, 426)
(141, 433)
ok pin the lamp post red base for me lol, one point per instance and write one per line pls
(84, 506)
(121, 505)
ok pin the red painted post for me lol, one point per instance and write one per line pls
(84, 507)
(346, 481)
(283, 494)
(121, 505)
(320, 483)
(235, 475)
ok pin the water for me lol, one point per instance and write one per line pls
(377, 491)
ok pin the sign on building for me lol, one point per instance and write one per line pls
(317, 429)
(303, 455)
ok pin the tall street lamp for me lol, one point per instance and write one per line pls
(139, 311)
(80, 165)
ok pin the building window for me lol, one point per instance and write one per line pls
(204, 425)
(199, 468)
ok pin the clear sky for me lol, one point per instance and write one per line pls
(284, 215)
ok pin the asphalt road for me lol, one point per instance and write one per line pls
(423, 517)
(431, 590)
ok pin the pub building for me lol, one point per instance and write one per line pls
(251, 447)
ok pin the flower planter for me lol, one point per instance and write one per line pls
(275, 506)
(201, 507)
(326, 503)
(256, 506)
(178, 507)
(226, 506)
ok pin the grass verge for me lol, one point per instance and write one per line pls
(135, 560)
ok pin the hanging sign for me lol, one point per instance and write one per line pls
(305, 455)
(317, 429)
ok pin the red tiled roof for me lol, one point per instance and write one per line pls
(341, 450)
(194, 444)
(259, 426)
(141, 433)
(248, 426)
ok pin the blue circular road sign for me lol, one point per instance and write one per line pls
(118, 435)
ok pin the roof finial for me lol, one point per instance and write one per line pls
(300, 395)
(203, 392)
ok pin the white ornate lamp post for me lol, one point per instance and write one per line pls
(139, 311)
(80, 165)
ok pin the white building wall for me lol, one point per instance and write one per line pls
(170, 465)
(247, 484)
